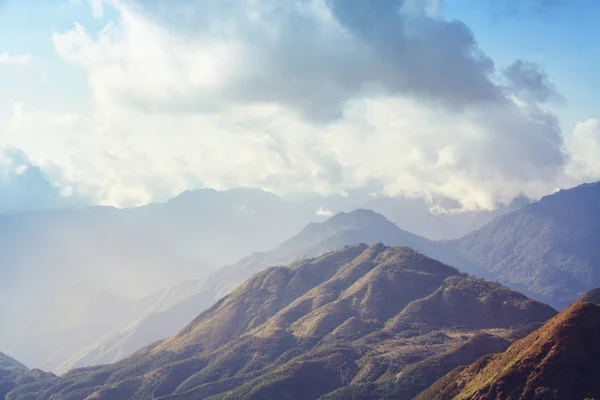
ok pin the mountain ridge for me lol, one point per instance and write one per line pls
(547, 249)
(557, 361)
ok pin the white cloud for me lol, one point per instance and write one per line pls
(16, 60)
(295, 96)
(324, 212)
(584, 147)
(22, 62)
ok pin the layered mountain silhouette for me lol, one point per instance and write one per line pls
(548, 249)
(361, 322)
(559, 361)
(416, 216)
(133, 253)
(183, 302)
(138, 252)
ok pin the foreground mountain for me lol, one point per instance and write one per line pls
(362, 322)
(558, 361)
(14, 374)
(183, 302)
(548, 249)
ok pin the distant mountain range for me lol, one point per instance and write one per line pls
(377, 320)
(525, 250)
(558, 361)
(416, 216)
(548, 249)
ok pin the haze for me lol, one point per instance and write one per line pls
(155, 154)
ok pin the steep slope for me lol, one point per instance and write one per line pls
(184, 302)
(558, 361)
(364, 315)
(548, 249)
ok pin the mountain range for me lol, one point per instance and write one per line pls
(375, 321)
(544, 250)
(134, 255)
(548, 249)
(522, 250)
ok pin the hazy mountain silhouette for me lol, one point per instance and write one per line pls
(548, 249)
(183, 302)
(558, 361)
(130, 252)
(416, 216)
(364, 318)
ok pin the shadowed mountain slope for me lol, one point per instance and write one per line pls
(558, 361)
(14, 374)
(383, 319)
(183, 302)
(548, 249)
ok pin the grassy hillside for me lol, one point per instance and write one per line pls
(558, 361)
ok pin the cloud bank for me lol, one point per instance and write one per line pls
(310, 95)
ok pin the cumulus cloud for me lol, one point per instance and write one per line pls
(313, 95)
(310, 55)
(324, 212)
(530, 81)
(584, 147)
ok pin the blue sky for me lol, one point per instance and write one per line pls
(563, 37)
(144, 101)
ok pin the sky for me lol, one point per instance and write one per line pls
(124, 102)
